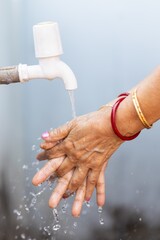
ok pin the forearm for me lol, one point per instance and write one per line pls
(148, 94)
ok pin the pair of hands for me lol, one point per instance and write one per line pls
(78, 154)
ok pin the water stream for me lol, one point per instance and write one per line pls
(72, 100)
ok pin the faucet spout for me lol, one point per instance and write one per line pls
(67, 76)
(49, 68)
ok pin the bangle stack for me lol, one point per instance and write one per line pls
(113, 119)
(140, 114)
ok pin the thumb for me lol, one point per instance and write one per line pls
(57, 134)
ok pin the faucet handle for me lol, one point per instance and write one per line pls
(47, 40)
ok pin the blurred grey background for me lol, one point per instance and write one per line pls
(110, 45)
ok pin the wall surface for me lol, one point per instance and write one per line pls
(110, 45)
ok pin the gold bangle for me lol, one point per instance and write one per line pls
(139, 111)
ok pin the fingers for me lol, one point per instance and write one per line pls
(54, 152)
(58, 133)
(48, 145)
(77, 179)
(65, 167)
(60, 190)
(45, 172)
(91, 183)
(79, 199)
(100, 187)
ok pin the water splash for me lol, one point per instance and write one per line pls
(47, 230)
(55, 214)
(56, 227)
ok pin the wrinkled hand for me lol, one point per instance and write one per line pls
(87, 143)
(62, 185)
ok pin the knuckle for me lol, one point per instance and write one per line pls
(74, 184)
(63, 181)
(78, 199)
(73, 160)
(68, 145)
(100, 184)
(77, 155)
(49, 153)
(92, 181)
(60, 172)
(52, 165)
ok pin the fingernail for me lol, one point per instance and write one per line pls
(64, 196)
(45, 135)
(52, 178)
(67, 194)
(88, 199)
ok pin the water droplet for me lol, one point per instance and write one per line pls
(101, 221)
(64, 207)
(33, 147)
(56, 227)
(23, 236)
(25, 167)
(33, 194)
(140, 219)
(17, 212)
(17, 227)
(47, 229)
(26, 208)
(100, 209)
(35, 163)
(88, 204)
(33, 202)
(75, 224)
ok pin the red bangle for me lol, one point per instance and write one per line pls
(113, 118)
(123, 94)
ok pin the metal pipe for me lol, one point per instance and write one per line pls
(9, 75)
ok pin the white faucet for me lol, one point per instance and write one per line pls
(48, 48)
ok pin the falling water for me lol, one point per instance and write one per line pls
(57, 226)
(101, 220)
(72, 99)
